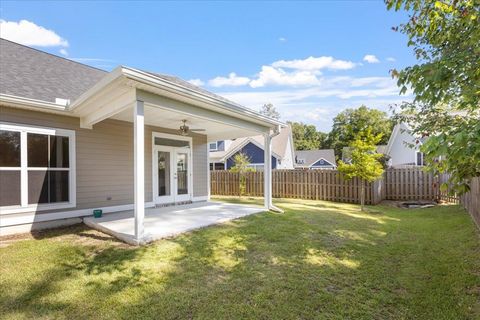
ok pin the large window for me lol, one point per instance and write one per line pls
(37, 169)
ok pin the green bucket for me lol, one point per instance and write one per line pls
(97, 213)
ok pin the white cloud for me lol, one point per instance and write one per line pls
(370, 58)
(232, 80)
(196, 82)
(320, 103)
(276, 76)
(64, 52)
(282, 39)
(30, 34)
(391, 59)
(299, 72)
(315, 63)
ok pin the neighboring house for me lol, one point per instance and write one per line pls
(315, 159)
(222, 153)
(74, 138)
(402, 150)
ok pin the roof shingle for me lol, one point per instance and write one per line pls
(34, 74)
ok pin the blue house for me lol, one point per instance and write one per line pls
(222, 153)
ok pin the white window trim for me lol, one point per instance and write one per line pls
(24, 206)
(416, 159)
(216, 146)
(255, 165)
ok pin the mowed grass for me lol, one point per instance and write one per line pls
(317, 260)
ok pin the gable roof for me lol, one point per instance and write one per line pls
(400, 128)
(312, 156)
(279, 145)
(30, 73)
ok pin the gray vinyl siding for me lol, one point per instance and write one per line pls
(104, 158)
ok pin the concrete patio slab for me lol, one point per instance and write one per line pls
(169, 221)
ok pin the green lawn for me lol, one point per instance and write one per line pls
(318, 260)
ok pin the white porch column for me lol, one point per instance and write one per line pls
(139, 167)
(267, 171)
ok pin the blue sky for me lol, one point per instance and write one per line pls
(310, 59)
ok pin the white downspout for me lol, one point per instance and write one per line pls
(267, 170)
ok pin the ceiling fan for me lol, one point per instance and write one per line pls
(184, 129)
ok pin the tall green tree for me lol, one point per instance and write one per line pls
(365, 162)
(445, 37)
(350, 122)
(306, 136)
(270, 111)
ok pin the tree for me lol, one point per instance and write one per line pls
(241, 166)
(306, 137)
(270, 111)
(365, 163)
(445, 36)
(349, 123)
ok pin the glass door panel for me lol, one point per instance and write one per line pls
(182, 173)
(164, 173)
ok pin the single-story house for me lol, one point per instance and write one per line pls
(222, 152)
(315, 159)
(74, 138)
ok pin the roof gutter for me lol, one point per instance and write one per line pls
(31, 103)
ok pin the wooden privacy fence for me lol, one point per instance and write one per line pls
(396, 184)
(304, 184)
(410, 184)
(471, 200)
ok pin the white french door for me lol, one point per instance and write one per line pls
(172, 174)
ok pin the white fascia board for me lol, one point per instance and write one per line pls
(32, 104)
(392, 138)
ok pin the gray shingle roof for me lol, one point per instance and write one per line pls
(34, 74)
(312, 156)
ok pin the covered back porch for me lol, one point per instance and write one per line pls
(152, 102)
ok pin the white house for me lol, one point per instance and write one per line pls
(403, 148)
(74, 139)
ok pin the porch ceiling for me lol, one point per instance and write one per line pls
(164, 118)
